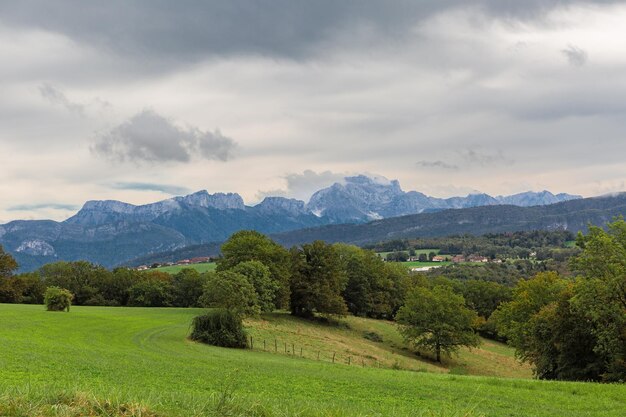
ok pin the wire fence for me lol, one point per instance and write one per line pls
(308, 352)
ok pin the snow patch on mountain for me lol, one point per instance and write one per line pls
(36, 247)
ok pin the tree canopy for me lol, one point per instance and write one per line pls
(250, 245)
(317, 281)
(437, 320)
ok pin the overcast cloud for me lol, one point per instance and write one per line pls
(128, 100)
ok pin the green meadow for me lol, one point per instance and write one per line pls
(174, 269)
(55, 363)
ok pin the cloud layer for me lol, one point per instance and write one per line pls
(447, 96)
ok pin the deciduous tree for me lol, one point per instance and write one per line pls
(437, 320)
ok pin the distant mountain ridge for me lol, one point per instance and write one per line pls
(573, 215)
(361, 198)
(111, 232)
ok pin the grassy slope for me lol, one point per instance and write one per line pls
(348, 343)
(141, 355)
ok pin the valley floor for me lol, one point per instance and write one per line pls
(142, 356)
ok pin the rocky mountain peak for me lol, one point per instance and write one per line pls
(219, 201)
(289, 206)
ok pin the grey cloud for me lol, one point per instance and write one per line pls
(478, 157)
(260, 195)
(57, 97)
(194, 30)
(302, 186)
(310, 181)
(575, 56)
(437, 164)
(150, 137)
(41, 206)
(146, 186)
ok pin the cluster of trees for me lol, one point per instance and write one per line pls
(574, 328)
(516, 245)
(315, 278)
(94, 285)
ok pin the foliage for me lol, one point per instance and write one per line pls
(23, 288)
(437, 320)
(230, 291)
(79, 277)
(601, 293)
(365, 278)
(513, 318)
(261, 279)
(154, 289)
(188, 287)
(548, 331)
(318, 280)
(249, 245)
(7, 264)
(58, 299)
(219, 327)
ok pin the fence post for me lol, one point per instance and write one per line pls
(334, 357)
(301, 352)
(251, 343)
(318, 355)
(285, 347)
(293, 349)
(276, 345)
(349, 357)
(263, 345)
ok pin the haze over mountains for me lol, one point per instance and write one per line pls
(113, 232)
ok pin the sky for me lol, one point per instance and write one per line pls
(140, 101)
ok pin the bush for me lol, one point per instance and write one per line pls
(373, 336)
(220, 328)
(58, 299)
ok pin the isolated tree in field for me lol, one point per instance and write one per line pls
(230, 291)
(437, 320)
(249, 245)
(318, 281)
(58, 299)
(260, 277)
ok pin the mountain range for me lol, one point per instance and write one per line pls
(573, 215)
(113, 232)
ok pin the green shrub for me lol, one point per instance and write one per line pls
(373, 336)
(58, 299)
(220, 327)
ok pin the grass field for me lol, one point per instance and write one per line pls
(141, 356)
(174, 269)
(418, 252)
(417, 264)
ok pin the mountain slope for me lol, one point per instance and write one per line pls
(572, 215)
(360, 199)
